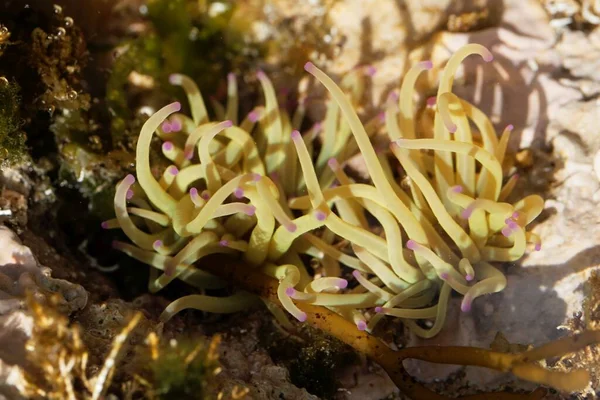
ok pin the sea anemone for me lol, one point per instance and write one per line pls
(260, 188)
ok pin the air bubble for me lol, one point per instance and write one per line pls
(61, 32)
(68, 22)
(72, 95)
(57, 9)
(194, 34)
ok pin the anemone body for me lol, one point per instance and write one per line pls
(258, 189)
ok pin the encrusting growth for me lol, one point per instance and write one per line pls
(260, 189)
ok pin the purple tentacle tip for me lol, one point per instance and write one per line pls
(260, 74)
(302, 317)
(176, 125)
(342, 284)
(251, 211)
(175, 79)
(173, 170)
(381, 116)
(176, 106)
(238, 193)
(457, 189)
(193, 192)
(466, 213)
(356, 274)
(393, 96)
(129, 179)
(488, 57)
(291, 227)
(431, 101)
(469, 277)
(371, 70)
(227, 124)
(296, 135)
(104, 225)
(506, 231)
(166, 127)
(333, 163)
(320, 215)
(253, 116)
(129, 194)
(230, 76)
(224, 243)
(205, 194)
(309, 67)
(157, 244)
(512, 224)
(167, 146)
(510, 127)
(515, 215)
(361, 325)
(189, 154)
(256, 177)
(290, 291)
(428, 64)
(411, 244)
(538, 246)
(444, 276)
(465, 306)
(378, 309)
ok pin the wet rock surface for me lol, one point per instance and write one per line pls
(21, 275)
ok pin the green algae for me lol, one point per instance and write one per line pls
(182, 38)
(12, 138)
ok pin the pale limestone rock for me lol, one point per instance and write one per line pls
(19, 272)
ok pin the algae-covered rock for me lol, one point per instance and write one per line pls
(12, 139)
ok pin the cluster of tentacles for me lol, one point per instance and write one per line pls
(260, 188)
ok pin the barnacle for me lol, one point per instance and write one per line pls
(239, 187)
